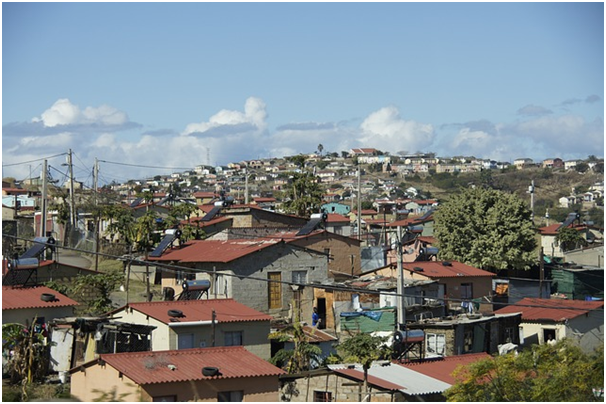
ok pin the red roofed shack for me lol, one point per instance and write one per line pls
(201, 374)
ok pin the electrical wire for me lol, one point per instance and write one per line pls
(144, 166)
(32, 161)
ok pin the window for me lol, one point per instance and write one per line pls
(322, 396)
(274, 290)
(436, 344)
(233, 338)
(184, 276)
(299, 277)
(466, 290)
(230, 396)
(164, 399)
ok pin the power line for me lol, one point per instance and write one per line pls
(32, 161)
(145, 166)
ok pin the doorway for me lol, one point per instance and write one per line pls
(321, 305)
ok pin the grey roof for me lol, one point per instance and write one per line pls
(411, 382)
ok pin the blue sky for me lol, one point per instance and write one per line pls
(166, 85)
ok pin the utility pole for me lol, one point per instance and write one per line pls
(246, 186)
(400, 289)
(359, 203)
(44, 196)
(541, 272)
(531, 192)
(98, 219)
(72, 204)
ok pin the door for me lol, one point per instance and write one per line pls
(274, 290)
(185, 341)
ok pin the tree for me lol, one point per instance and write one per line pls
(364, 349)
(570, 239)
(92, 290)
(320, 149)
(298, 160)
(557, 373)
(27, 353)
(301, 357)
(303, 195)
(486, 228)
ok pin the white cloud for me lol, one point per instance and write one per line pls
(386, 130)
(254, 114)
(63, 112)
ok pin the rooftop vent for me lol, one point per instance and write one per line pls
(446, 263)
(419, 269)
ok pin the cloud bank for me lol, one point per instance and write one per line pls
(106, 133)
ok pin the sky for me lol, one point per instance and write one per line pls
(156, 88)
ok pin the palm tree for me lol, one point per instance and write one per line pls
(304, 353)
(569, 239)
(364, 349)
(320, 148)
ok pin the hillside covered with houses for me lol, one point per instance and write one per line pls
(252, 277)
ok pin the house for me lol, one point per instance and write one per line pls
(577, 282)
(553, 163)
(265, 203)
(200, 374)
(363, 152)
(460, 282)
(581, 321)
(343, 253)
(467, 333)
(33, 273)
(262, 273)
(549, 236)
(338, 208)
(522, 163)
(77, 340)
(184, 324)
(338, 224)
(24, 304)
(388, 382)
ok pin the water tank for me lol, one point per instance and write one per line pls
(202, 284)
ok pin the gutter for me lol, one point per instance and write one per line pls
(192, 323)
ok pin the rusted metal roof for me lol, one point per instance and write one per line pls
(442, 368)
(14, 298)
(222, 251)
(226, 311)
(186, 365)
(442, 269)
(372, 380)
(533, 309)
(335, 217)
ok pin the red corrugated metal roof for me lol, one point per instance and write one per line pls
(198, 222)
(152, 367)
(375, 381)
(335, 217)
(226, 310)
(436, 269)
(533, 309)
(215, 250)
(552, 229)
(29, 298)
(442, 368)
